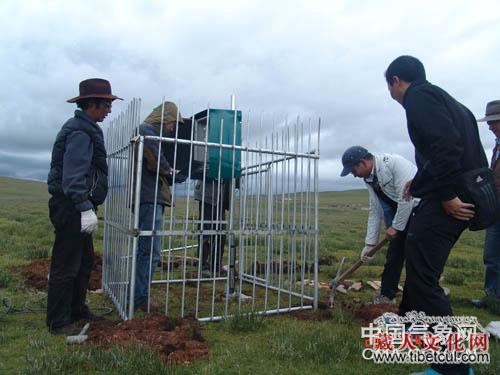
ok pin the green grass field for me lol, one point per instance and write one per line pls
(275, 345)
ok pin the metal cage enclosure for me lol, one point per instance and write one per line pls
(259, 226)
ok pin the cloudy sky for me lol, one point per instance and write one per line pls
(314, 58)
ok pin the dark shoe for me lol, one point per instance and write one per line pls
(205, 273)
(67, 330)
(479, 303)
(86, 314)
(381, 299)
(220, 272)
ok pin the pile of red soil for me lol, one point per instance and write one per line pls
(36, 273)
(176, 341)
(314, 316)
(368, 313)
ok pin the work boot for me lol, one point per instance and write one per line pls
(86, 314)
(479, 303)
(220, 271)
(67, 330)
(205, 272)
(381, 299)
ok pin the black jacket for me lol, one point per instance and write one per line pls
(446, 139)
(78, 168)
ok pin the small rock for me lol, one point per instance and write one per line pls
(356, 286)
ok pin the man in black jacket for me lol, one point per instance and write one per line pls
(447, 144)
(78, 183)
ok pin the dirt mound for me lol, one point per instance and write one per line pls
(36, 273)
(315, 316)
(176, 341)
(367, 313)
(327, 260)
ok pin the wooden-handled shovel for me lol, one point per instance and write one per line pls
(338, 279)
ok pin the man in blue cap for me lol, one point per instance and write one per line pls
(385, 176)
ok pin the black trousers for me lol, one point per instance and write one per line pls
(431, 235)
(393, 265)
(212, 245)
(71, 264)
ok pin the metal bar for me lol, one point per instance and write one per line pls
(135, 243)
(262, 282)
(193, 280)
(316, 222)
(178, 248)
(155, 204)
(202, 214)
(186, 225)
(232, 147)
(269, 312)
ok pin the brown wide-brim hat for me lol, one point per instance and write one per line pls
(492, 111)
(94, 88)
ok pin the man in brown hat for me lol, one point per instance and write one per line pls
(155, 195)
(78, 184)
(491, 255)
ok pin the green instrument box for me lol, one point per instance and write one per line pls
(221, 126)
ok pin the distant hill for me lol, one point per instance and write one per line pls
(14, 188)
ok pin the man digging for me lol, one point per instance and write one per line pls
(385, 177)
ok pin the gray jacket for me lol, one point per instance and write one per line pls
(393, 172)
(78, 168)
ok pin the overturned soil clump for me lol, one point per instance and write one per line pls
(176, 341)
(36, 272)
(327, 260)
(368, 313)
(315, 316)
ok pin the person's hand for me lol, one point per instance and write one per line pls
(88, 221)
(179, 178)
(406, 191)
(458, 209)
(363, 256)
(391, 233)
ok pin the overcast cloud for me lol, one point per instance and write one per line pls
(315, 58)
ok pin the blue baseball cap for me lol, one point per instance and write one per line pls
(352, 156)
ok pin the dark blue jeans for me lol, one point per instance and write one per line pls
(148, 251)
(492, 261)
(395, 256)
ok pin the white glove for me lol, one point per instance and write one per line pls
(365, 258)
(89, 221)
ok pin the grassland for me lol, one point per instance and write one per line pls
(277, 345)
